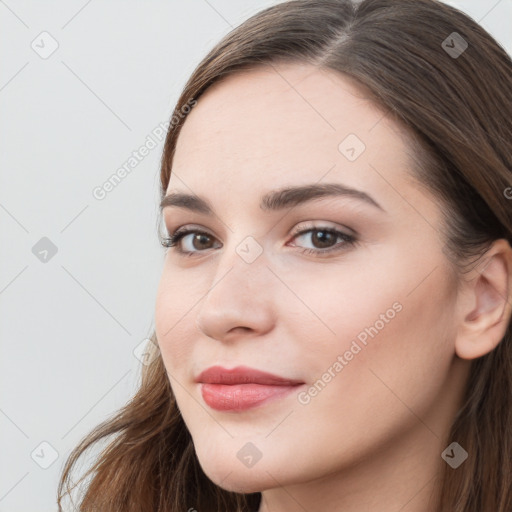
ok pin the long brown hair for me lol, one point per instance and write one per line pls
(455, 104)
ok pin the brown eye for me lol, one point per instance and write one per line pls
(324, 240)
(197, 243)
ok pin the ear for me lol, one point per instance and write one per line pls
(485, 303)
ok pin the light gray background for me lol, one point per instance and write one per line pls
(69, 325)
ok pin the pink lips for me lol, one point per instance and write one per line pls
(241, 388)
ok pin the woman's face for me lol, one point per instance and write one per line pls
(364, 329)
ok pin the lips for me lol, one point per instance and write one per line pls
(243, 375)
(242, 387)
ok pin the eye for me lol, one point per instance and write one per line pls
(322, 236)
(199, 240)
(325, 237)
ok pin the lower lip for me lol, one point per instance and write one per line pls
(240, 397)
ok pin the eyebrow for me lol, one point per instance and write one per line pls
(274, 200)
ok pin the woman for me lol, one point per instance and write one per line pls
(333, 321)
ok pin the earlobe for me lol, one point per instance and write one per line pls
(488, 303)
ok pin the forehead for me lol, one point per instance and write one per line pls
(282, 125)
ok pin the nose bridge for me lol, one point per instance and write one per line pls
(238, 295)
(243, 264)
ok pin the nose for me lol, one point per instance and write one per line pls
(239, 300)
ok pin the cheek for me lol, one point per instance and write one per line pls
(341, 310)
(378, 316)
(174, 314)
(391, 348)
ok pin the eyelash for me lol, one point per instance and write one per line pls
(173, 240)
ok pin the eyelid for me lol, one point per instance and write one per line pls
(301, 226)
(306, 226)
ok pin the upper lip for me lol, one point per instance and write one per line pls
(243, 375)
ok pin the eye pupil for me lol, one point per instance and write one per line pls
(200, 237)
(323, 235)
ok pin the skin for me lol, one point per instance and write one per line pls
(372, 438)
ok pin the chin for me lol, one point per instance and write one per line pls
(234, 477)
(244, 482)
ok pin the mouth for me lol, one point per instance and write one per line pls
(242, 388)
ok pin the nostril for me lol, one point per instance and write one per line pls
(243, 328)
